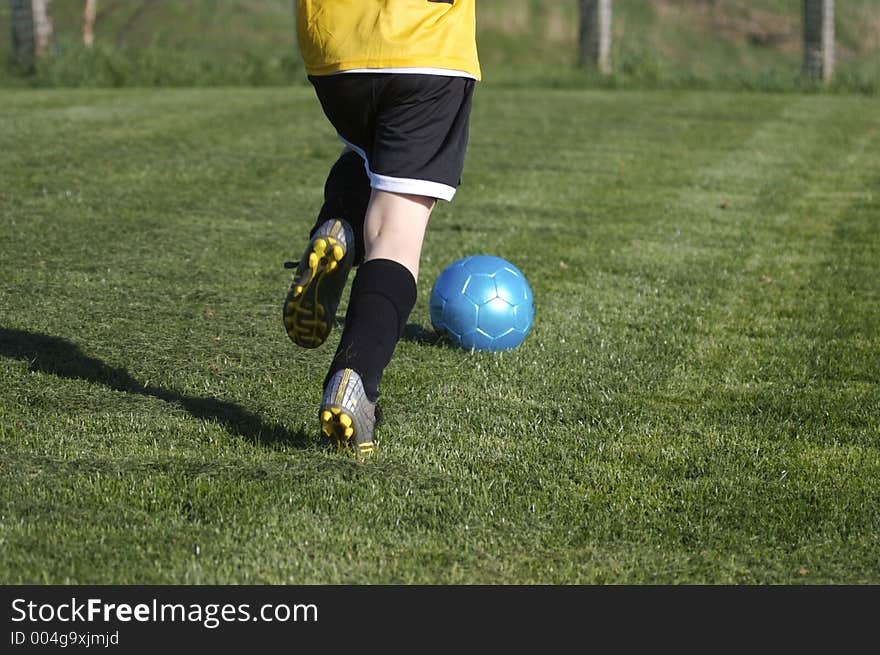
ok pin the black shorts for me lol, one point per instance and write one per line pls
(411, 129)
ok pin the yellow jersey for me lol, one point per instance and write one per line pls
(343, 35)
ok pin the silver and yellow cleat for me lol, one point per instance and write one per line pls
(348, 417)
(316, 289)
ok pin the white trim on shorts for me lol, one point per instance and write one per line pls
(407, 185)
(413, 70)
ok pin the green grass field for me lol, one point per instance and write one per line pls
(697, 402)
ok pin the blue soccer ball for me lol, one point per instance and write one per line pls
(482, 302)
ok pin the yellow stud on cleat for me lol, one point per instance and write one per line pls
(348, 416)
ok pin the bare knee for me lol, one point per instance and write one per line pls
(395, 227)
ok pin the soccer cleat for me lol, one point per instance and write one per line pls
(347, 415)
(310, 306)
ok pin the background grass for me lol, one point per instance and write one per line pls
(698, 400)
(718, 44)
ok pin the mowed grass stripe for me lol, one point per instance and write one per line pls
(773, 138)
(778, 238)
(718, 384)
(751, 380)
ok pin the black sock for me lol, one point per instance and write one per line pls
(346, 196)
(382, 296)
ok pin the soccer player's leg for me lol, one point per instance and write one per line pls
(335, 245)
(413, 157)
(383, 295)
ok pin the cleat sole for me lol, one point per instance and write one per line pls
(307, 316)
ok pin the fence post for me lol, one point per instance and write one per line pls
(88, 27)
(595, 34)
(31, 24)
(22, 21)
(818, 19)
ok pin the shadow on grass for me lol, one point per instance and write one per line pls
(418, 334)
(63, 358)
